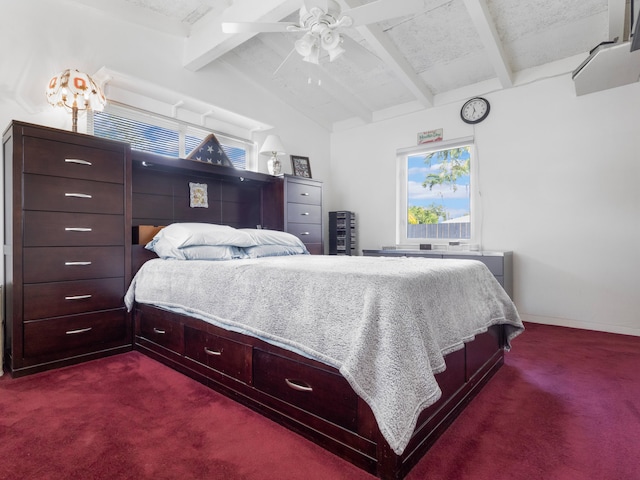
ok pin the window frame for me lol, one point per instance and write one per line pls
(183, 128)
(402, 190)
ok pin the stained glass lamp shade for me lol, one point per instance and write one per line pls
(75, 90)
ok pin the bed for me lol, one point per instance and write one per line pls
(334, 348)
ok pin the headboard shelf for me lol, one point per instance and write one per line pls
(161, 193)
(162, 163)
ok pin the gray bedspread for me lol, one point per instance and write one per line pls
(385, 323)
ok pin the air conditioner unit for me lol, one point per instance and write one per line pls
(609, 65)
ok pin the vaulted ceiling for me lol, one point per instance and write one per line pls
(441, 51)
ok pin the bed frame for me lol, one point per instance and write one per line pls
(304, 395)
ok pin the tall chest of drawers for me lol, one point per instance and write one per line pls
(303, 211)
(294, 204)
(66, 247)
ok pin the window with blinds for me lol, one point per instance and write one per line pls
(159, 135)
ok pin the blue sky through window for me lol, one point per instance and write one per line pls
(456, 203)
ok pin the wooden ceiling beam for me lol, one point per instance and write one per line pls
(489, 37)
(387, 51)
(207, 42)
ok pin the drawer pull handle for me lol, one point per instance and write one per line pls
(298, 385)
(77, 297)
(215, 353)
(78, 161)
(77, 229)
(80, 330)
(78, 195)
(305, 233)
(158, 331)
(304, 194)
(75, 264)
(305, 214)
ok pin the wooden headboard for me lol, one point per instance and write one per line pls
(161, 195)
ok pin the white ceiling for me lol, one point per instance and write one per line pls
(446, 51)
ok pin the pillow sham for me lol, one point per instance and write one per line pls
(180, 235)
(274, 251)
(212, 252)
(165, 250)
(273, 237)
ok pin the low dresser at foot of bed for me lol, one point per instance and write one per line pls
(307, 396)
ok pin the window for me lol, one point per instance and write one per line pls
(156, 134)
(436, 185)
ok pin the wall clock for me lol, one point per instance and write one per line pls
(475, 110)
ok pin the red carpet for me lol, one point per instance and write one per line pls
(566, 405)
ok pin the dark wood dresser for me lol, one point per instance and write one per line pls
(67, 246)
(303, 211)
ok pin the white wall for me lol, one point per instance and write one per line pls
(559, 179)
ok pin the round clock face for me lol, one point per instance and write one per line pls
(475, 110)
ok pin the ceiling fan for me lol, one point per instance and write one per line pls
(320, 20)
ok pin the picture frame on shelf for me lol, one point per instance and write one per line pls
(198, 197)
(301, 166)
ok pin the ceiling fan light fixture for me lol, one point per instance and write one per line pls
(344, 21)
(330, 39)
(305, 45)
(313, 56)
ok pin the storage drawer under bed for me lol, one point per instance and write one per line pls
(157, 327)
(314, 390)
(219, 353)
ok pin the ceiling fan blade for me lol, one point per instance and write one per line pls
(252, 27)
(380, 10)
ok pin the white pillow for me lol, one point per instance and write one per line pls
(180, 235)
(212, 252)
(273, 237)
(164, 249)
(274, 251)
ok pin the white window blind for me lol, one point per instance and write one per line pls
(159, 135)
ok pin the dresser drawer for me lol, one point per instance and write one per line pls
(61, 335)
(161, 330)
(304, 213)
(308, 233)
(53, 264)
(316, 391)
(47, 157)
(72, 195)
(42, 300)
(59, 229)
(222, 354)
(303, 193)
